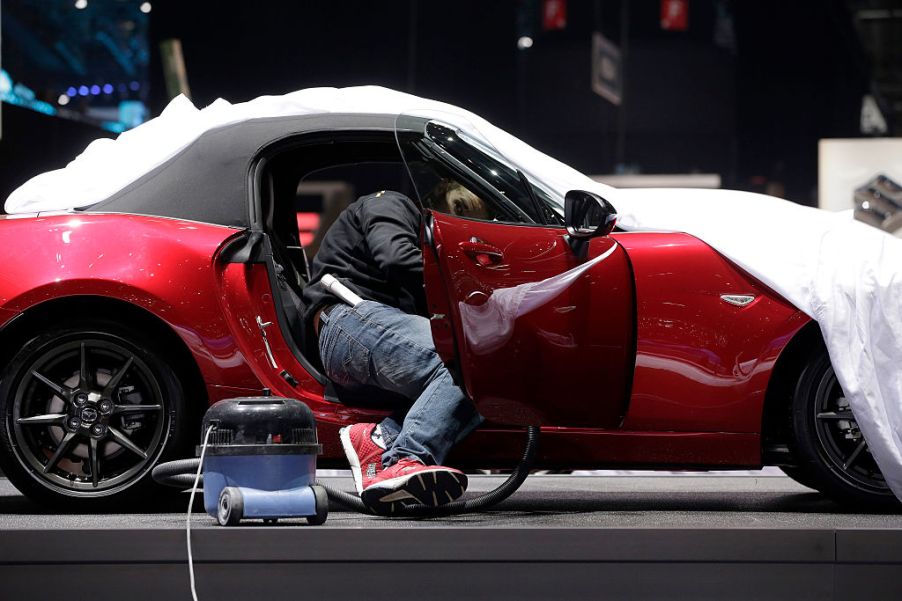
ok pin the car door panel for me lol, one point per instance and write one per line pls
(542, 336)
(702, 363)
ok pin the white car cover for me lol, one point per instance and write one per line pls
(844, 274)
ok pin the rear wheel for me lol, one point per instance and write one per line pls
(87, 412)
(832, 453)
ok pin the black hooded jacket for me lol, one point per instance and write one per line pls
(374, 249)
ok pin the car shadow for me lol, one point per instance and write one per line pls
(13, 502)
(574, 503)
(590, 502)
(525, 502)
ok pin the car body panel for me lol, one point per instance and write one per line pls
(544, 336)
(702, 364)
(576, 448)
(6, 317)
(161, 265)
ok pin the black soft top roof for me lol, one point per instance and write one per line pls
(209, 180)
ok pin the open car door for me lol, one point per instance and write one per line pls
(540, 333)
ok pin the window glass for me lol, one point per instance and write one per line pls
(445, 192)
(457, 174)
(507, 178)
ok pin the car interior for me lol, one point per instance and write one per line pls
(304, 189)
(308, 182)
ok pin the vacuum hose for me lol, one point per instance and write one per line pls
(488, 499)
(180, 474)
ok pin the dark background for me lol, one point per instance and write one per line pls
(751, 111)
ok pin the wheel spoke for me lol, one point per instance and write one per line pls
(61, 450)
(126, 442)
(136, 408)
(861, 446)
(59, 390)
(83, 368)
(116, 379)
(835, 415)
(50, 419)
(95, 464)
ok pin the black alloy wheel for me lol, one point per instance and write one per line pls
(87, 413)
(830, 448)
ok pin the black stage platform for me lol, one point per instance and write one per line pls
(559, 537)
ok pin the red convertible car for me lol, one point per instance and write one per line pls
(122, 322)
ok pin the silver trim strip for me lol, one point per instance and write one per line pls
(739, 300)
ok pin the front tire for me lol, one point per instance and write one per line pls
(831, 451)
(800, 476)
(87, 411)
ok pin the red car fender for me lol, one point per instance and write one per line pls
(702, 364)
(163, 266)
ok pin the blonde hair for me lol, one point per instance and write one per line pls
(452, 197)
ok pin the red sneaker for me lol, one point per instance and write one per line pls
(411, 482)
(364, 453)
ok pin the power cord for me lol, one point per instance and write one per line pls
(200, 466)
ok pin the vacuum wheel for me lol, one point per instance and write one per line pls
(322, 506)
(231, 506)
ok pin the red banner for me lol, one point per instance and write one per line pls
(675, 15)
(554, 15)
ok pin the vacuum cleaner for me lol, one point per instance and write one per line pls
(259, 462)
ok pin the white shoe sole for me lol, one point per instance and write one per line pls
(432, 488)
(351, 454)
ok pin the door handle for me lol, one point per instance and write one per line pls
(482, 252)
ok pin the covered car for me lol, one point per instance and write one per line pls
(162, 271)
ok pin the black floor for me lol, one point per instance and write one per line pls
(560, 537)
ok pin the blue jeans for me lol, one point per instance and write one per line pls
(377, 345)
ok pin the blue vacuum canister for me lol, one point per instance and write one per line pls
(260, 461)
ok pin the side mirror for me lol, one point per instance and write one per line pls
(588, 215)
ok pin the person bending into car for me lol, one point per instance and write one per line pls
(386, 341)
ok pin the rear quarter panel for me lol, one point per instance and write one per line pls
(164, 266)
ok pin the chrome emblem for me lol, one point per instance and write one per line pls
(88, 415)
(740, 300)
